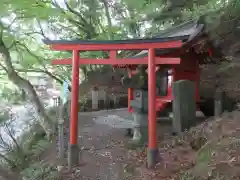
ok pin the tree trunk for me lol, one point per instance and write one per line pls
(24, 84)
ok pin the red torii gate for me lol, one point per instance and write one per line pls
(77, 46)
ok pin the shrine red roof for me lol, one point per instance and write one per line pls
(171, 42)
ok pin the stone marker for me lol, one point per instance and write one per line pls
(94, 98)
(218, 103)
(184, 105)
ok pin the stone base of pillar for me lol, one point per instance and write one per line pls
(152, 157)
(73, 155)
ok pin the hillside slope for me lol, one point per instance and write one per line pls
(210, 151)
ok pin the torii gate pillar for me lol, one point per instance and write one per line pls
(152, 136)
(73, 156)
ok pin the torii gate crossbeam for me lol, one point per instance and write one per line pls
(112, 46)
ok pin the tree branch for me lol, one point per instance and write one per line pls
(22, 83)
(107, 13)
(45, 72)
(40, 70)
(32, 54)
(83, 26)
(2, 66)
(14, 140)
(41, 30)
(69, 29)
(75, 12)
(55, 4)
(1, 30)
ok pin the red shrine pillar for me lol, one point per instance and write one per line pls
(130, 97)
(73, 156)
(152, 133)
(130, 93)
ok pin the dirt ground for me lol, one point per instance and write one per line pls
(193, 155)
(104, 148)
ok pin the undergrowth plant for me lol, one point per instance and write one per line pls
(23, 154)
(40, 171)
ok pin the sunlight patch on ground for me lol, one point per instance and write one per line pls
(114, 121)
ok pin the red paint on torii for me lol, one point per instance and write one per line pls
(141, 44)
(115, 61)
(113, 47)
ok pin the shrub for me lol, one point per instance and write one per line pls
(40, 171)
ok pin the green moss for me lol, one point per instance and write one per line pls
(204, 155)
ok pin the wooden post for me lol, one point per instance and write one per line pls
(61, 132)
(94, 98)
(184, 105)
